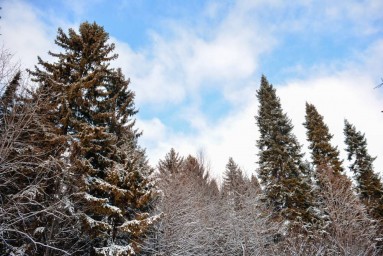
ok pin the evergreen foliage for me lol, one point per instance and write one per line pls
(369, 185)
(235, 185)
(233, 177)
(91, 104)
(172, 163)
(281, 170)
(9, 96)
(322, 152)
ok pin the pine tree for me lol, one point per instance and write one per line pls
(322, 152)
(91, 104)
(369, 185)
(281, 171)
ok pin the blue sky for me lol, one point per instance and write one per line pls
(195, 65)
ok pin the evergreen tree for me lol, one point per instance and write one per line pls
(322, 152)
(369, 185)
(234, 184)
(281, 170)
(254, 184)
(194, 168)
(91, 104)
(10, 92)
(172, 163)
(233, 177)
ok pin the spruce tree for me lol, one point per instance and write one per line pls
(322, 152)
(281, 170)
(369, 185)
(234, 184)
(172, 163)
(10, 93)
(92, 106)
(233, 177)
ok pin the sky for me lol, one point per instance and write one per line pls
(195, 66)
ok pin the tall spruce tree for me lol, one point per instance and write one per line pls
(322, 152)
(281, 170)
(91, 104)
(369, 185)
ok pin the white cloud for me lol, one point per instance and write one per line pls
(345, 94)
(337, 98)
(182, 61)
(24, 33)
(226, 56)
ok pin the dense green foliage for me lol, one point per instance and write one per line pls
(322, 152)
(284, 176)
(369, 185)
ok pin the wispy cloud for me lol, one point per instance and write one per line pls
(330, 53)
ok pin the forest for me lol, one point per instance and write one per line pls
(75, 181)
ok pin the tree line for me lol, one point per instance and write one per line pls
(74, 180)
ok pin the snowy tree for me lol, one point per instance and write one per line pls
(34, 216)
(350, 231)
(92, 106)
(246, 226)
(282, 173)
(234, 184)
(369, 185)
(171, 165)
(322, 152)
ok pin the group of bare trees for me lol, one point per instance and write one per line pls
(198, 218)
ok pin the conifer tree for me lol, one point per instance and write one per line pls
(172, 163)
(322, 152)
(254, 184)
(234, 185)
(281, 170)
(92, 105)
(369, 185)
(233, 177)
(9, 94)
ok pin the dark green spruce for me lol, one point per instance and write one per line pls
(370, 188)
(319, 137)
(281, 170)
